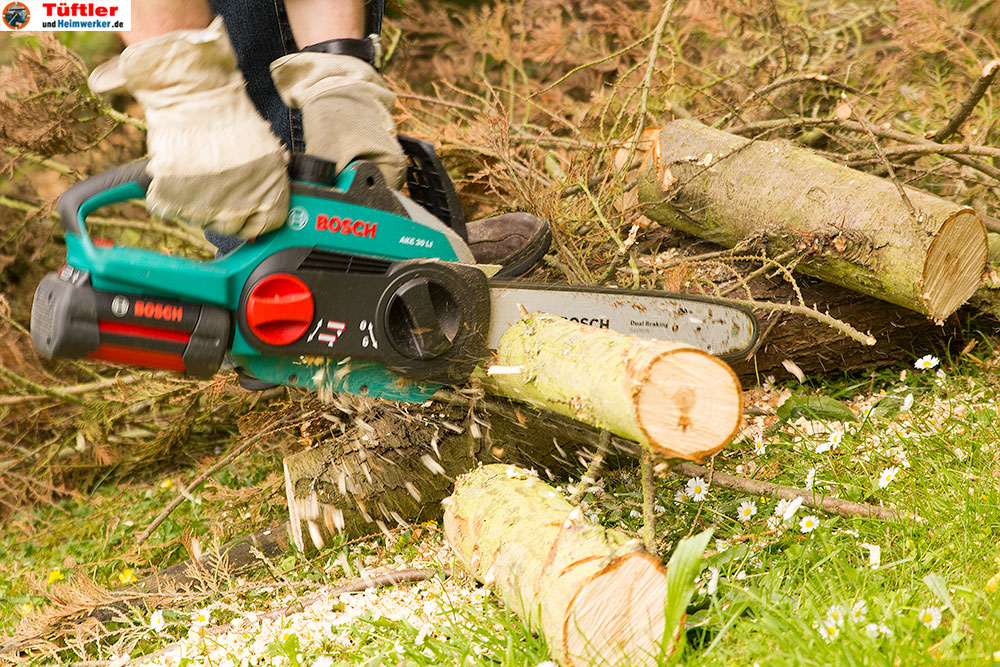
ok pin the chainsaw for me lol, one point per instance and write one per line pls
(363, 290)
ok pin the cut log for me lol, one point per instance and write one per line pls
(816, 348)
(855, 229)
(393, 466)
(592, 592)
(672, 398)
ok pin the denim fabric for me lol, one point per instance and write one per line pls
(261, 33)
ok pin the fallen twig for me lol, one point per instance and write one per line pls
(186, 492)
(986, 77)
(76, 389)
(810, 498)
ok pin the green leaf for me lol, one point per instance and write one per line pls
(685, 564)
(939, 587)
(887, 407)
(815, 407)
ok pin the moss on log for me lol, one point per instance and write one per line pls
(854, 229)
(672, 398)
(592, 592)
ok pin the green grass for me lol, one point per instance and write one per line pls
(774, 591)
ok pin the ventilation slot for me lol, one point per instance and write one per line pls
(323, 260)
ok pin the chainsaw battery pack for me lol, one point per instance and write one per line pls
(71, 319)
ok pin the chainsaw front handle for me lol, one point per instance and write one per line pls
(128, 181)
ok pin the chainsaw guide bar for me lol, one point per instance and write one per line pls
(363, 290)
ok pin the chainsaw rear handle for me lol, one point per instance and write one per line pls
(127, 181)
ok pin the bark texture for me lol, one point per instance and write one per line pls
(394, 464)
(592, 592)
(672, 398)
(901, 335)
(856, 230)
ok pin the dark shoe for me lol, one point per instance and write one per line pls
(514, 240)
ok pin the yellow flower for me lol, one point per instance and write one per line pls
(993, 583)
(127, 576)
(55, 575)
(24, 608)
(166, 483)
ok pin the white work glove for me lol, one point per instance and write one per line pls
(214, 161)
(346, 110)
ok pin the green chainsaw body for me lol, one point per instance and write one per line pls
(330, 219)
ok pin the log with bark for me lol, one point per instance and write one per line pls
(400, 462)
(672, 398)
(901, 335)
(865, 233)
(592, 592)
(394, 464)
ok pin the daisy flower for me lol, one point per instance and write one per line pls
(874, 630)
(832, 442)
(887, 476)
(829, 629)
(759, 449)
(156, 621)
(930, 617)
(810, 478)
(713, 581)
(779, 509)
(697, 489)
(792, 508)
(835, 615)
(746, 511)
(926, 362)
(201, 618)
(774, 523)
(808, 523)
(858, 611)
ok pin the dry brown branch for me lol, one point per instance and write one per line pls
(788, 81)
(75, 390)
(186, 492)
(985, 80)
(881, 132)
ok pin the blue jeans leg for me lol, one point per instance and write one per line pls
(260, 33)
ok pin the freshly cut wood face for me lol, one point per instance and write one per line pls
(670, 397)
(954, 266)
(634, 587)
(689, 402)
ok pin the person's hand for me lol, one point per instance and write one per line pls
(214, 161)
(346, 110)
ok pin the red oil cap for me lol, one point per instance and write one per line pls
(280, 309)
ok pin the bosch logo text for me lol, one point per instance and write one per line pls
(158, 311)
(346, 226)
(592, 321)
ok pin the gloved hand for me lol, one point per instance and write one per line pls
(346, 110)
(214, 161)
